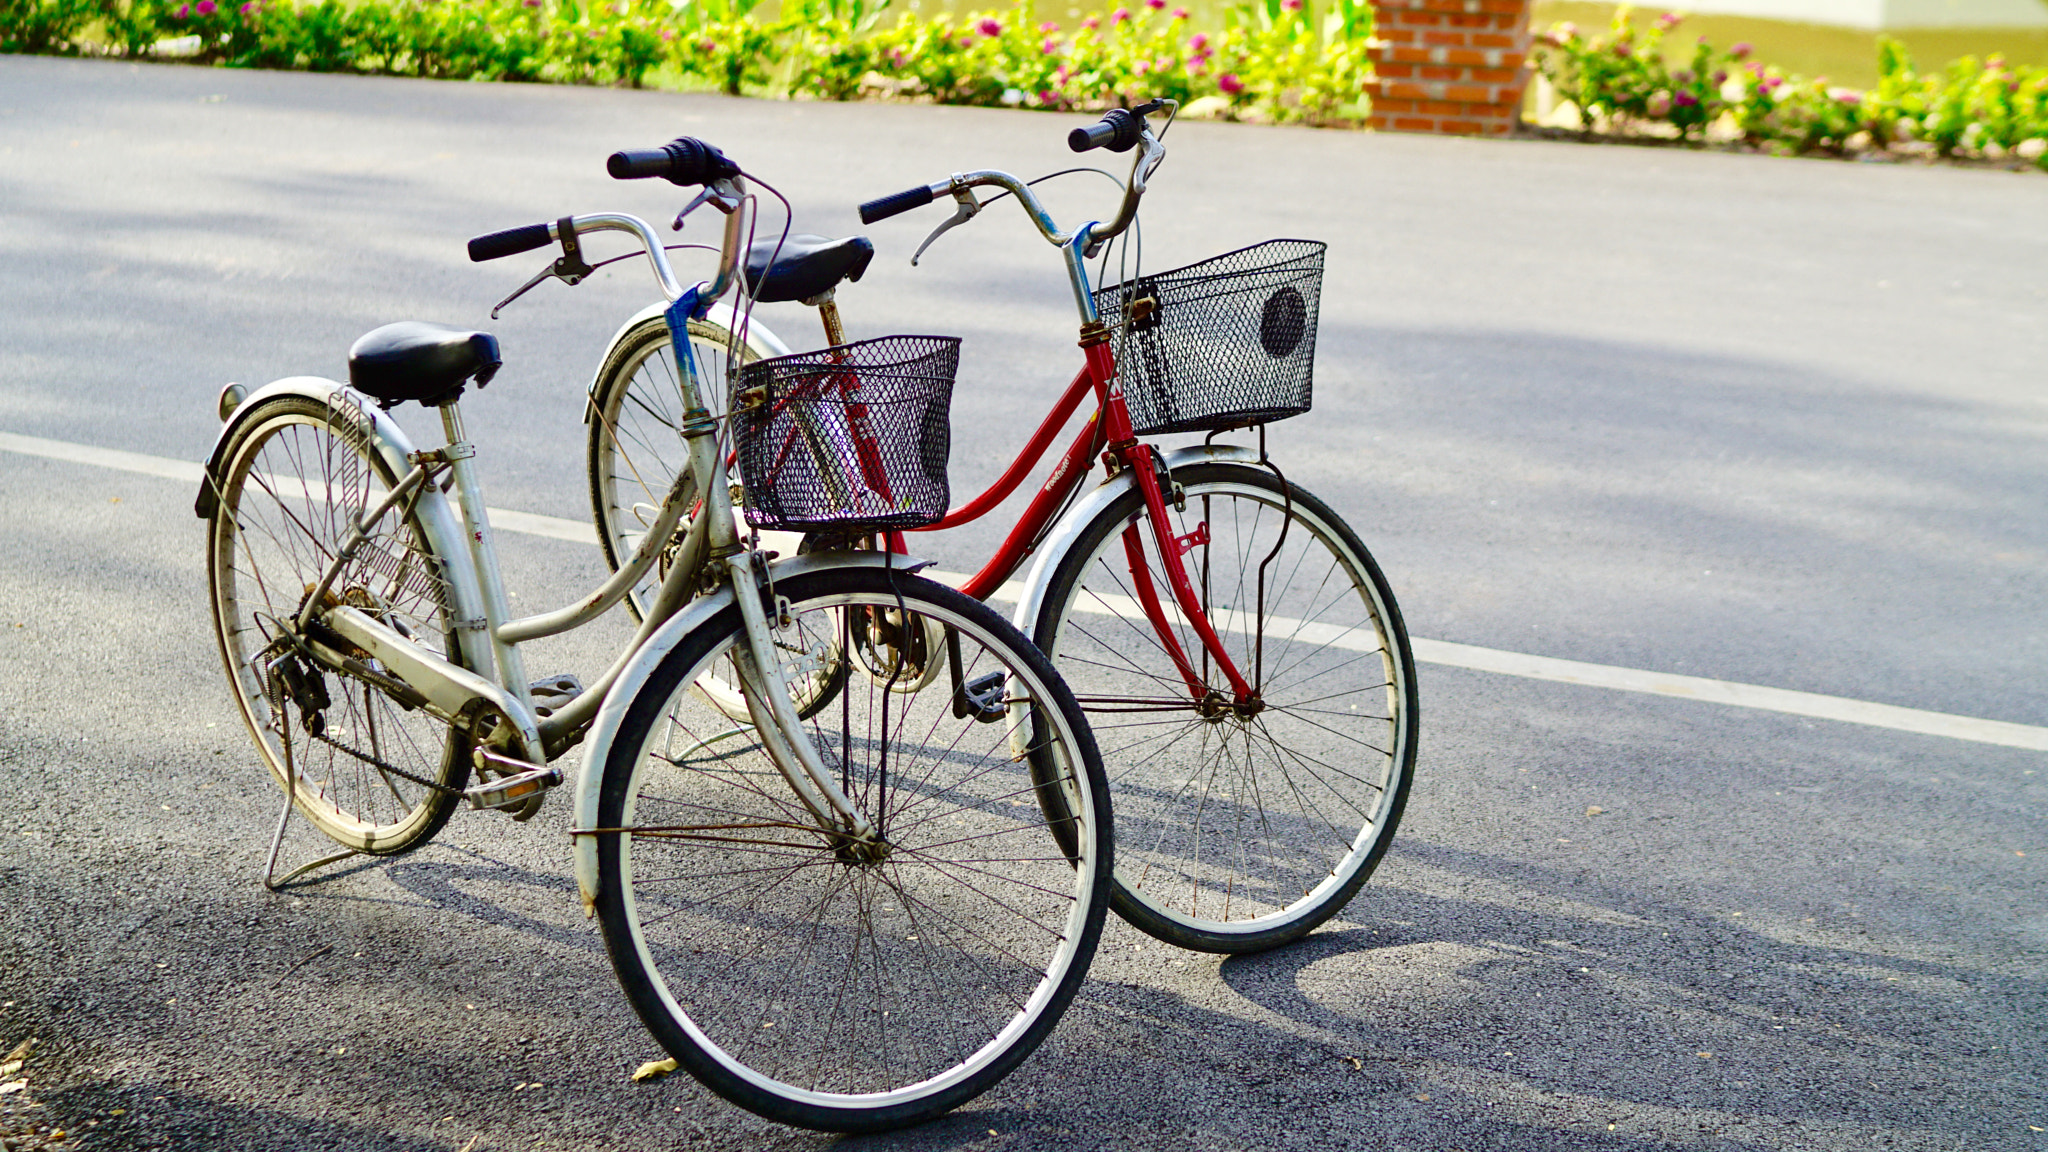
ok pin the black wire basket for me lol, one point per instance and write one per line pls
(848, 439)
(1226, 343)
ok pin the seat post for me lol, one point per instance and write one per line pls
(483, 552)
(828, 311)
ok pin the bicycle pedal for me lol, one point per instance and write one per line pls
(552, 693)
(521, 786)
(981, 698)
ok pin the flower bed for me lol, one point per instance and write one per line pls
(1622, 83)
(1272, 60)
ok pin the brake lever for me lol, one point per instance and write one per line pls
(724, 195)
(569, 267)
(968, 209)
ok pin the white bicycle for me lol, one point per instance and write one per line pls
(845, 829)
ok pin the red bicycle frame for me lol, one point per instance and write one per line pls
(1107, 433)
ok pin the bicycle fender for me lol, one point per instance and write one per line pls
(761, 339)
(443, 528)
(597, 744)
(1087, 508)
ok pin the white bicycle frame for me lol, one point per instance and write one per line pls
(489, 637)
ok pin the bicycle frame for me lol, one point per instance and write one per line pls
(1108, 433)
(712, 540)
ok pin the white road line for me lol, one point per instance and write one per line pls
(1811, 704)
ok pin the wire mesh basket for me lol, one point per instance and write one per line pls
(1225, 343)
(848, 439)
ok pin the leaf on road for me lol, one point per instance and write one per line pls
(21, 1050)
(654, 1070)
(1595, 810)
(12, 1086)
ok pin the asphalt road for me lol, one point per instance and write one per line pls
(1772, 422)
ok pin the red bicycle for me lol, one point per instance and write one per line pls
(1240, 655)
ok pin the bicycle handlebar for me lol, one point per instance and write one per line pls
(682, 161)
(510, 242)
(1119, 130)
(897, 204)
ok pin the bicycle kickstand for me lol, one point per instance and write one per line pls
(271, 880)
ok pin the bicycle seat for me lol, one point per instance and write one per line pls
(415, 360)
(807, 266)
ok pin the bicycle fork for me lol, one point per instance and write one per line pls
(762, 683)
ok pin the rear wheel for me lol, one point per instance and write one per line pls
(849, 990)
(369, 772)
(1236, 832)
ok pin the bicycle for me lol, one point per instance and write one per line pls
(847, 921)
(1219, 702)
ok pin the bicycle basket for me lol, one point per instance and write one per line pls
(848, 439)
(1225, 343)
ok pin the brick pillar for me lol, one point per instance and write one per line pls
(1449, 66)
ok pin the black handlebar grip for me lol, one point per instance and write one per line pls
(1118, 131)
(510, 242)
(683, 160)
(901, 202)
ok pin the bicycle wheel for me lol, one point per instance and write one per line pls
(1238, 834)
(837, 993)
(371, 773)
(636, 440)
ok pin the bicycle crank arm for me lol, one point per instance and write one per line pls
(449, 692)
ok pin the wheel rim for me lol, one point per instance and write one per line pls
(639, 446)
(1232, 825)
(859, 987)
(286, 501)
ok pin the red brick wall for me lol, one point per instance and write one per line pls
(1449, 66)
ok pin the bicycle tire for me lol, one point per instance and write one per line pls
(636, 444)
(739, 956)
(1240, 835)
(296, 472)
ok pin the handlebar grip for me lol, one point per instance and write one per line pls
(1118, 131)
(683, 161)
(895, 205)
(510, 242)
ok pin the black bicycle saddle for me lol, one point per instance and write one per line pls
(415, 360)
(807, 266)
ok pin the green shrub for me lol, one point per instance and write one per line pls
(1621, 83)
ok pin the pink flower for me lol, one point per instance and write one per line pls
(1180, 13)
(1091, 23)
(1199, 41)
(1568, 30)
(1195, 64)
(184, 11)
(1048, 27)
(1683, 76)
(1155, 5)
(1659, 105)
(1686, 99)
(1291, 5)
(1141, 67)
(1740, 51)
(1669, 20)
(249, 8)
(1850, 98)
(989, 27)
(1120, 15)
(533, 3)
(207, 7)
(1049, 47)
(1771, 85)
(1621, 48)
(1230, 84)
(1047, 97)
(1720, 77)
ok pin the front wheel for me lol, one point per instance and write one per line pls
(1240, 830)
(855, 988)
